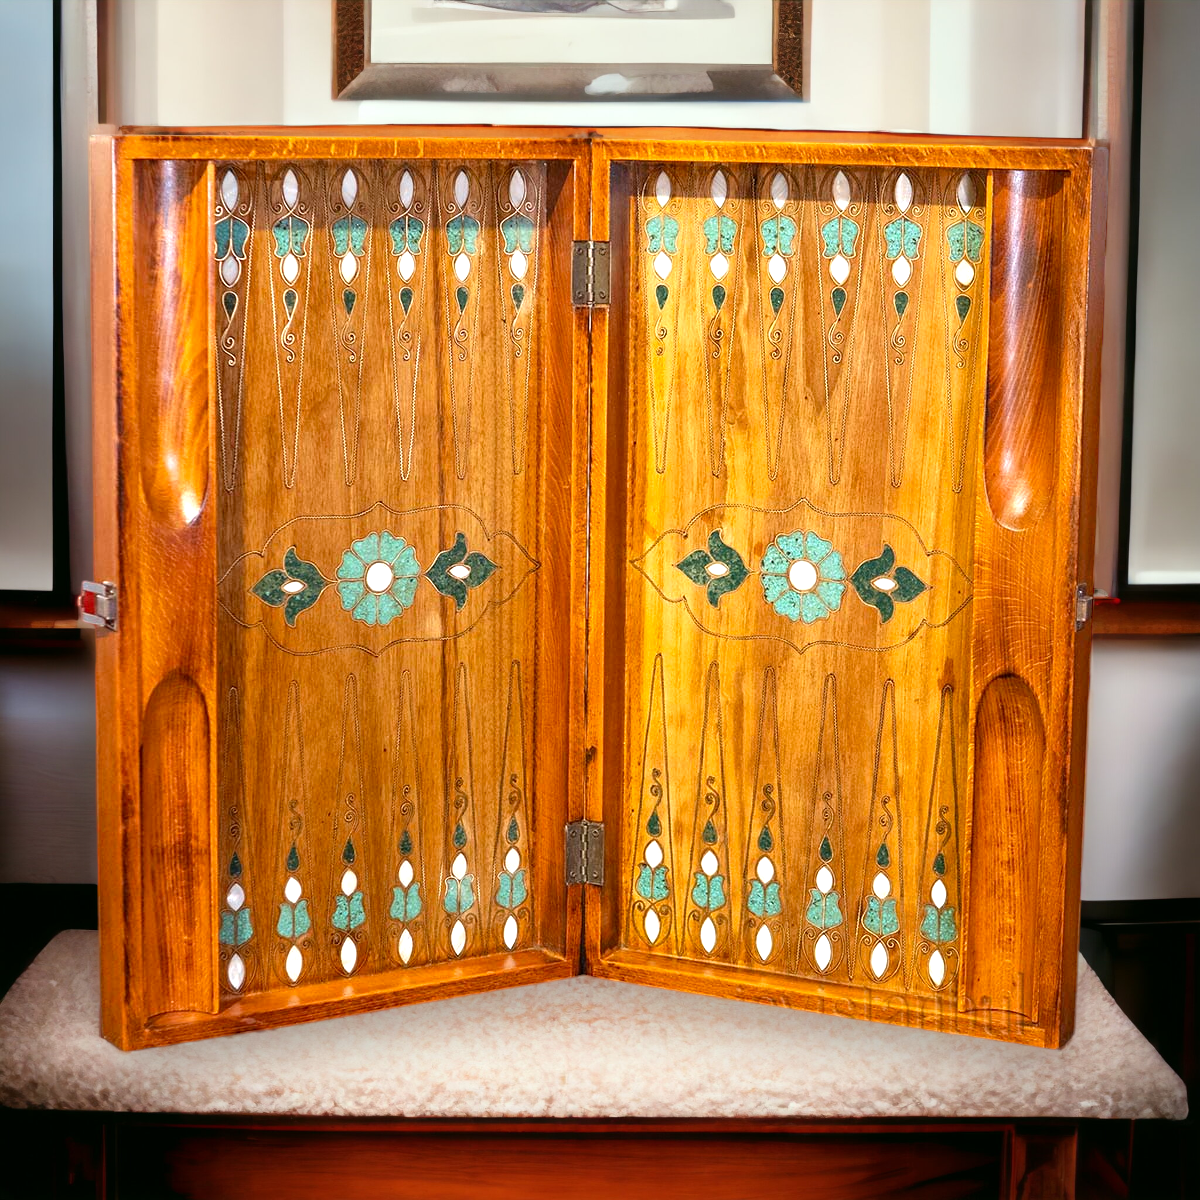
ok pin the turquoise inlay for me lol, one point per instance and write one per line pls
(349, 233)
(820, 601)
(235, 866)
(479, 567)
(406, 903)
(900, 300)
(518, 295)
(838, 296)
(236, 929)
(902, 237)
(460, 836)
(462, 233)
(938, 928)
(651, 884)
(908, 586)
(776, 299)
(718, 295)
(517, 231)
(512, 892)
(406, 299)
(661, 294)
(710, 834)
(654, 825)
(270, 588)
(348, 912)
(939, 863)
(229, 303)
(406, 235)
(406, 842)
(966, 240)
(708, 893)
(461, 296)
(374, 608)
(826, 850)
(513, 833)
(963, 305)
(766, 843)
(230, 235)
(348, 852)
(718, 231)
(695, 567)
(460, 894)
(289, 302)
(764, 902)
(293, 859)
(882, 857)
(880, 919)
(839, 235)
(662, 233)
(290, 235)
(778, 234)
(823, 911)
(348, 299)
(293, 920)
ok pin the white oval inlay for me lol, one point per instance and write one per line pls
(654, 855)
(458, 868)
(294, 963)
(291, 188)
(719, 266)
(802, 575)
(458, 937)
(290, 267)
(764, 943)
(904, 192)
(708, 935)
(964, 273)
(349, 882)
(380, 577)
(237, 972)
(518, 265)
(709, 863)
(652, 926)
(459, 571)
(765, 870)
(405, 946)
(824, 880)
(662, 188)
(406, 189)
(512, 860)
(823, 952)
(292, 889)
(966, 193)
(901, 271)
(292, 587)
(884, 584)
(516, 188)
(406, 265)
(879, 960)
(839, 269)
(405, 874)
(462, 267)
(776, 268)
(937, 893)
(662, 265)
(229, 190)
(230, 270)
(235, 897)
(718, 570)
(462, 188)
(720, 189)
(779, 189)
(349, 955)
(841, 191)
(511, 929)
(349, 188)
(937, 968)
(348, 268)
(881, 885)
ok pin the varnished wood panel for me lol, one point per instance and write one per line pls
(851, 365)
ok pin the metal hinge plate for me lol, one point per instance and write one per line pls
(1083, 606)
(590, 274)
(97, 604)
(585, 852)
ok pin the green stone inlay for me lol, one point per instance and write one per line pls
(272, 588)
(406, 903)
(708, 892)
(348, 912)
(513, 833)
(406, 842)
(900, 300)
(766, 843)
(902, 237)
(662, 233)
(236, 928)
(939, 863)
(518, 295)
(293, 859)
(460, 894)
(230, 235)
(349, 233)
(294, 921)
(229, 302)
(289, 302)
(880, 917)
(908, 585)
(696, 567)
(461, 296)
(882, 857)
(718, 295)
(838, 296)
(517, 231)
(710, 833)
(825, 596)
(290, 234)
(938, 927)
(823, 910)
(406, 299)
(462, 233)
(654, 825)
(966, 241)
(776, 299)
(719, 232)
(764, 901)
(348, 852)
(963, 305)
(348, 299)
(660, 294)
(512, 890)
(235, 866)
(378, 608)
(479, 570)
(651, 884)
(460, 836)
(838, 235)
(826, 850)
(778, 234)
(406, 235)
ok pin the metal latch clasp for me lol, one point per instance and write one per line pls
(1083, 606)
(97, 605)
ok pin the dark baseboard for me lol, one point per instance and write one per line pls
(39, 911)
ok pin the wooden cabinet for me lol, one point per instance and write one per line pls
(767, 560)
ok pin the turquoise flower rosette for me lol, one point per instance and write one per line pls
(803, 578)
(373, 595)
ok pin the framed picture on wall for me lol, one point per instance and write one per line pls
(568, 49)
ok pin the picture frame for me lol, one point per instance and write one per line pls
(357, 76)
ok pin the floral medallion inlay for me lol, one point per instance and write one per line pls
(802, 576)
(378, 575)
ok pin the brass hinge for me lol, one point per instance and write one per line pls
(97, 605)
(1083, 606)
(585, 852)
(590, 274)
